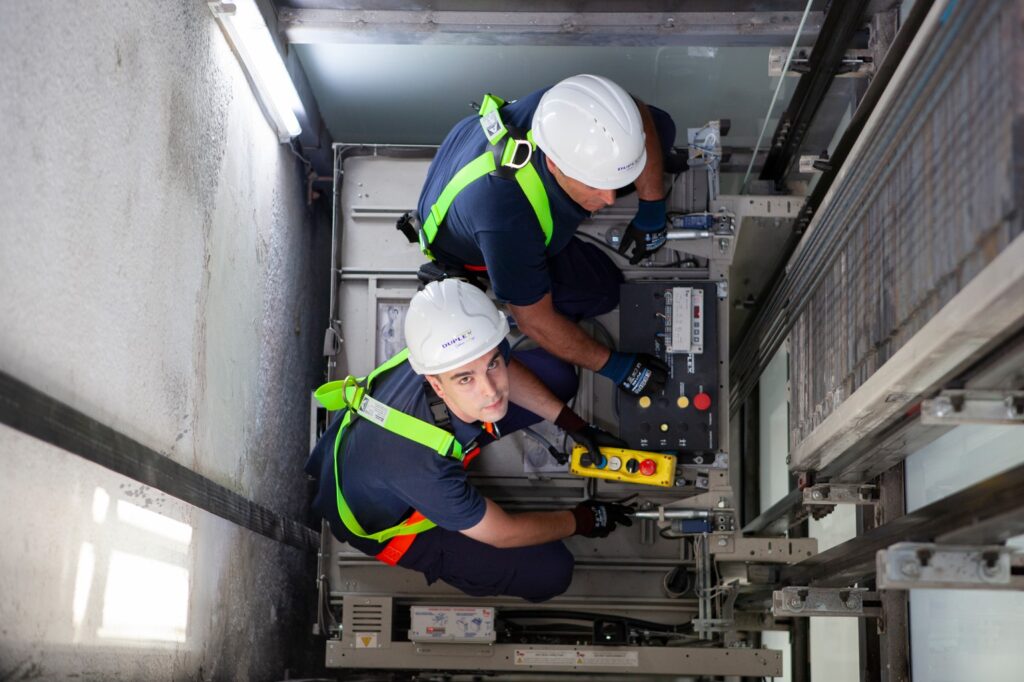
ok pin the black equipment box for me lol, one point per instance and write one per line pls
(677, 322)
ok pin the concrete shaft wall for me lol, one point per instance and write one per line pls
(159, 271)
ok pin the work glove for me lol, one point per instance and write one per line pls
(636, 373)
(587, 435)
(593, 438)
(646, 233)
(597, 519)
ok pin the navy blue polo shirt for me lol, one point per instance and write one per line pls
(385, 476)
(491, 222)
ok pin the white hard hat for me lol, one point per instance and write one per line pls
(591, 129)
(450, 323)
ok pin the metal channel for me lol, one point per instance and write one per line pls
(547, 24)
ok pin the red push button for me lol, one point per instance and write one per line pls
(648, 467)
(702, 401)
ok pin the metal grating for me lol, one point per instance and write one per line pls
(934, 202)
(938, 208)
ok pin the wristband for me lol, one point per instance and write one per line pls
(650, 216)
(569, 421)
(617, 367)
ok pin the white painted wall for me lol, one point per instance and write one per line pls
(160, 272)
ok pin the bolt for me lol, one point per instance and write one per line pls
(990, 570)
(722, 542)
(1014, 407)
(723, 245)
(795, 603)
(816, 495)
(721, 503)
(941, 407)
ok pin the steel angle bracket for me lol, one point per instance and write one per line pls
(913, 565)
(974, 406)
(819, 601)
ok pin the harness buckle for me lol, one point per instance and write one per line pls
(410, 225)
(520, 143)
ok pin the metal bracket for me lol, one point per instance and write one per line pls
(855, 62)
(911, 565)
(840, 493)
(974, 407)
(819, 601)
(727, 547)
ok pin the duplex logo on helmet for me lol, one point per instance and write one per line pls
(457, 341)
(628, 166)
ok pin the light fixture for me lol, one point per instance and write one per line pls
(248, 34)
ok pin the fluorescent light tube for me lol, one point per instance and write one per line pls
(249, 36)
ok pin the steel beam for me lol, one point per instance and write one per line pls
(990, 511)
(545, 27)
(983, 313)
(619, 661)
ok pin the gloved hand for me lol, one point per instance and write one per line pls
(587, 435)
(637, 374)
(646, 232)
(597, 519)
(593, 438)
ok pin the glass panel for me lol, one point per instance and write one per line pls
(964, 634)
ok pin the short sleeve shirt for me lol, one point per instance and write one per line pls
(491, 222)
(385, 476)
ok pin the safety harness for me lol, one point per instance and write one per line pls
(508, 155)
(352, 395)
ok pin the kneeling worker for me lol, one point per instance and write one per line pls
(392, 466)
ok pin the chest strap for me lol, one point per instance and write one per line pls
(352, 396)
(508, 155)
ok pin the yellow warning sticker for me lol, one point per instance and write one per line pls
(366, 640)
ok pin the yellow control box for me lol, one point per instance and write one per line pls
(628, 466)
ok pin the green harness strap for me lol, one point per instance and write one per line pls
(351, 396)
(525, 174)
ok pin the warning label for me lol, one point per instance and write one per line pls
(577, 657)
(366, 640)
(374, 411)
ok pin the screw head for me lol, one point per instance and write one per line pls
(722, 542)
(816, 494)
(910, 568)
(795, 603)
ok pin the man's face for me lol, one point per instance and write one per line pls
(476, 391)
(588, 197)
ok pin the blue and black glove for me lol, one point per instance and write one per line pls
(636, 373)
(646, 232)
(597, 519)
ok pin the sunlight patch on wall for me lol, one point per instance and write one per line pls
(145, 599)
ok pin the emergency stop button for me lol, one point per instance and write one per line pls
(702, 401)
(648, 467)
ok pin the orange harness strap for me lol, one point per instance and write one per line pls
(400, 544)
